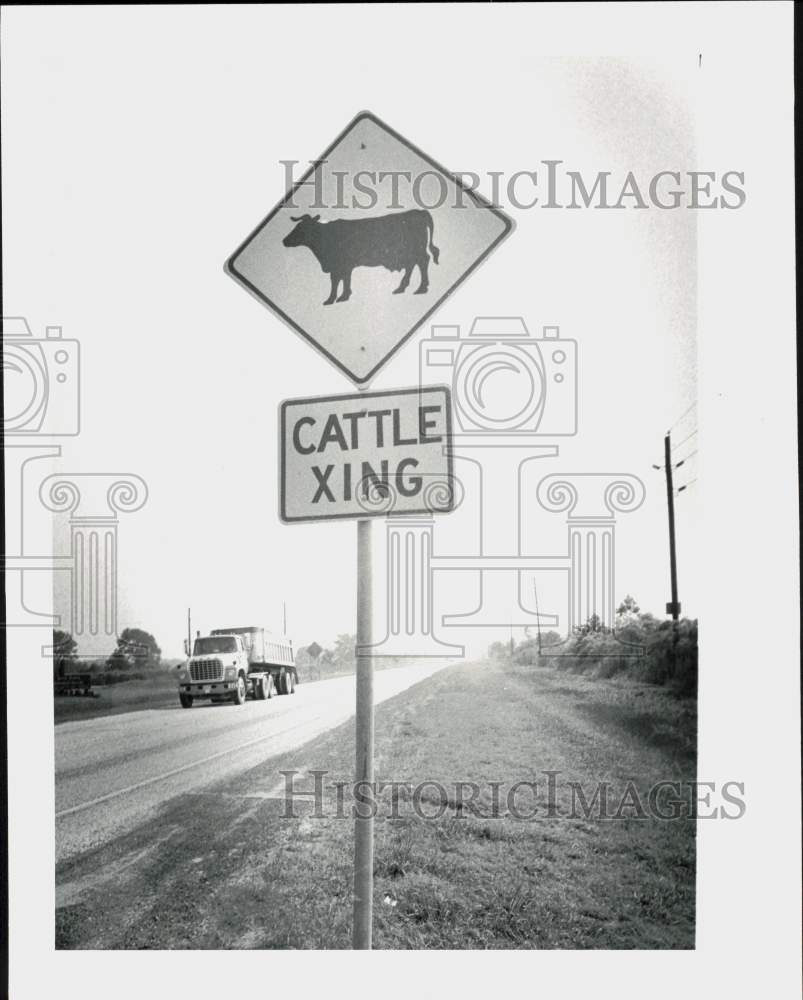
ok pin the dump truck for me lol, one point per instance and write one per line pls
(231, 664)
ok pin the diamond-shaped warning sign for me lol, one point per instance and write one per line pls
(366, 246)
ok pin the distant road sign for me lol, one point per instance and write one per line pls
(366, 454)
(366, 246)
(314, 650)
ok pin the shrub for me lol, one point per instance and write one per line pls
(669, 652)
(119, 676)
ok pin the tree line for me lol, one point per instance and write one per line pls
(641, 646)
(316, 662)
(136, 655)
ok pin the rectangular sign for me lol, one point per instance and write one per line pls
(366, 454)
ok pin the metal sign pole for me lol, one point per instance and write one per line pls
(318, 489)
(360, 348)
(364, 775)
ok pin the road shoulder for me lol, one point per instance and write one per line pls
(223, 868)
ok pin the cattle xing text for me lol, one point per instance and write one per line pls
(347, 432)
(346, 456)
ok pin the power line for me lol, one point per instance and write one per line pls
(687, 438)
(685, 459)
(681, 417)
(677, 465)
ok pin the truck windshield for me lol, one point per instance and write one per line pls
(215, 644)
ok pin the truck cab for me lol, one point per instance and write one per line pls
(216, 669)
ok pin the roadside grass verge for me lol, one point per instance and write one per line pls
(640, 711)
(231, 872)
(158, 691)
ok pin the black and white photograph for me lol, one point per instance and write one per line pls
(401, 539)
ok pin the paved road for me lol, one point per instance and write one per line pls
(223, 867)
(114, 771)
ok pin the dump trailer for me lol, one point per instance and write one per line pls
(231, 664)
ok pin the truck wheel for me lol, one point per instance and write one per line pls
(269, 686)
(239, 694)
(291, 683)
(264, 688)
(186, 700)
(284, 680)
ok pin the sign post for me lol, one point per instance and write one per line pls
(371, 208)
(363, 903)
(364, 762)
(364, 455)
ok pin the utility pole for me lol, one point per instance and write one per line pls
(284, 618)
(189, 631)
(537, 620)
(672, 608)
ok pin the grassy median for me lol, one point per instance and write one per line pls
(224, 869)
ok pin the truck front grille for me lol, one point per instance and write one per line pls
(206, 670)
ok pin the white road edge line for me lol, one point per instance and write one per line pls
(205, 760)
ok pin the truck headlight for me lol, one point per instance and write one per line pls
(184, 675)
(231, 673)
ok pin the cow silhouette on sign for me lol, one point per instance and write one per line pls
(399, 242)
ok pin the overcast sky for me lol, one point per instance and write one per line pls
(145, 152)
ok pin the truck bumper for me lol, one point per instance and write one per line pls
(209, 690)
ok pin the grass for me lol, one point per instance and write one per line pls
(127, 696)
(230, 872)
